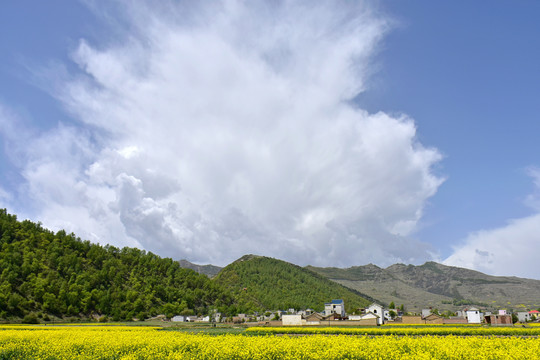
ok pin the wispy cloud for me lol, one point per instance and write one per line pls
(211, 131)
(533, 199)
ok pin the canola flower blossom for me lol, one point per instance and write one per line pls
(402, 330)
(150, 343)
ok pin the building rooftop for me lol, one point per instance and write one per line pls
(338, 301)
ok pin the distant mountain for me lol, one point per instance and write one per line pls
(265, 283)
(208, 270)
(436, 285)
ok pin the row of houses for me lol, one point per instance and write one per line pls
(375, 314)
(526, 316)
(334, 311)
(475, 316)
(182, 318)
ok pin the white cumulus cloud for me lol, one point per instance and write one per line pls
(214, 130)
(509, 249)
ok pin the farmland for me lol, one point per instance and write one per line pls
(422, 330)
(141, 342)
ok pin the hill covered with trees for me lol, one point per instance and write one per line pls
(260, 283)
(56, 274)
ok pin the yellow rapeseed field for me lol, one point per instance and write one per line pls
(100, 342)
(402, 330)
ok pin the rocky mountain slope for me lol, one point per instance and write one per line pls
(436, 285)
(208, 270)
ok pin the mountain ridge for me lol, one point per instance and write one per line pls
(433, 285)
(436, 285)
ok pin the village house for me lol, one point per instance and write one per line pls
(306, 312)
(378, 310)
(433, 319)
(369, 315)
(474, 316)
(335, 307)
(313, 318)
(497, 320)
(386, 315)
(534, 314)
(178, 318)
(523, 316)
(332, 317)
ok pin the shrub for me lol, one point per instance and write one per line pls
(30, 319)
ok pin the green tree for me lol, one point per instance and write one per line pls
(514, 318)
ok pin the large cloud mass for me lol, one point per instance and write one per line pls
(213, 131)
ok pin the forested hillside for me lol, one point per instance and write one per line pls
(264, 283)
(46, 273)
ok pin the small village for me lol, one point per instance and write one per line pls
(334, 315)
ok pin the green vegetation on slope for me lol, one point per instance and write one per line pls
(264, 283)
(58, 274)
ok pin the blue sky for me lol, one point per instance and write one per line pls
(469, 76)
(339, 134)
